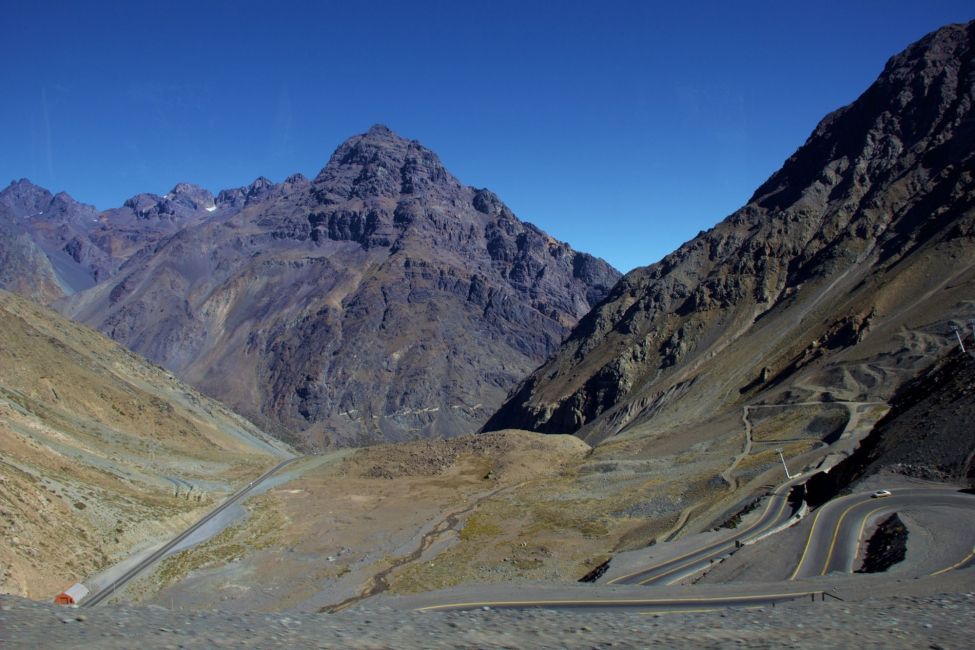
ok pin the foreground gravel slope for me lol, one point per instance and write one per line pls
(941, 621)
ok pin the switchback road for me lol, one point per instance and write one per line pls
(832, 544)
(837, 530)
(777, 513)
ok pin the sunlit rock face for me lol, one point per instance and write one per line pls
(382, 300)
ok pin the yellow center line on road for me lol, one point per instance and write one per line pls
(836, 534)
(704, 610)
(612, 601)
(863, 524)
(805, 551)
(768, 507)
(782, 506)
(812, 530)
(692, 562)
(968, 557)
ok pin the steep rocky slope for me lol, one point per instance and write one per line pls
(836, 282)
(100, 451)
(928, 431)
(382, 300)
(24, 268)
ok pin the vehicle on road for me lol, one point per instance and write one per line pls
(880, 494)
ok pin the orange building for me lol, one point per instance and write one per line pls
(72, 595)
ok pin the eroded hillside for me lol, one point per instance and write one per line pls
(101, 452)
(839, 277)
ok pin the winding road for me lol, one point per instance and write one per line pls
(98, 597)
(649, 605)
(777, 513)
(837, 529)
(831, 545)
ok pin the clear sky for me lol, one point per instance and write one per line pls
(623, 128)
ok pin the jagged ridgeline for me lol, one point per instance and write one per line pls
(839, 279)
(382, 300)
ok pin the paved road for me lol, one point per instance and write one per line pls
(834, 539)
(98, 597)
(649, 605)
(831, 546)
(776, 513)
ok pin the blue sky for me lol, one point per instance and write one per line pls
(623, 128)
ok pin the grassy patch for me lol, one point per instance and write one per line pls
(260, 530)
(566, 516)
(478, 526)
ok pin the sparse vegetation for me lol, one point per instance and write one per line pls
(262, 529)
(478, 526)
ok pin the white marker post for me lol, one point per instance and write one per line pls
(958, 336)
(787, 474)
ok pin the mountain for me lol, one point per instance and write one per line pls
(101, 452)
(56, 246)
(838, 281)
(24, 268)
(44, 249)
(382, 300)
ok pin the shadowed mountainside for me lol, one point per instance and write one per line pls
(837, 281)
(928, 431)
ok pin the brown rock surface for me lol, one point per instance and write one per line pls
(382, 301)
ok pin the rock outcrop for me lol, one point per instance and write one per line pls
(839, 279)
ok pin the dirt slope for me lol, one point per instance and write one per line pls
(100, 451)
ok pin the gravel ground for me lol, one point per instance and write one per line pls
(941, 621)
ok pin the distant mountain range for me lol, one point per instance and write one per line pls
(382, 300)
(840, 279)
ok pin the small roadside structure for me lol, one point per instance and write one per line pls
(72, 595)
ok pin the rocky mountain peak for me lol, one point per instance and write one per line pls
(261, 189)
(24, 199)
(190, 197)
(917, 96)
(380, 163)
(383, 300)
